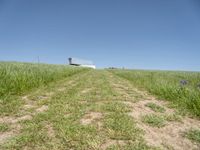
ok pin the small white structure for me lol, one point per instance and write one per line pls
(81, 62)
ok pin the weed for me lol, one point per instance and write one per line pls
(3, 127)
(173, 117)
(155, 107)
(154, 120)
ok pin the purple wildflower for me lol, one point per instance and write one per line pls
(183, 82)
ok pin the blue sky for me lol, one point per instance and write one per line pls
(138, 34)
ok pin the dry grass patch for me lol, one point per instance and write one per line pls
(50, 130)
(86, 90)
(111, 142)
(91, 117)
(8, 132)
(6, 136)
(13, 120)
(42, 109)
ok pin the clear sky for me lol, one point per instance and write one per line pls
(139, 34)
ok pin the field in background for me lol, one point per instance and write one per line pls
(181, 88)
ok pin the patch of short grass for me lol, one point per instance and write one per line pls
(10, 105)
(154, 120)
(120, 126)
(3, 127)
(173, 117)
(115, 107)
(193, 134)
(32, 135)
(155, 107)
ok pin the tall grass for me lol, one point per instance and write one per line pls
(166, 84)
(15, 78)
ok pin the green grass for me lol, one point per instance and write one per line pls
(4, 127)
(68, 107)
(158, 120)
(115, 107)
(68, 130)
(16, 78)
(155, 107)
(60, 126)
(121, 127)
(154, 120)
(173, 117)
(194, 135)
(166, 85)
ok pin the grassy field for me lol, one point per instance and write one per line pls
(81, 109)
(18, 78)
(181, 88)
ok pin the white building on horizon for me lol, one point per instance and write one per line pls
(81, 62)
